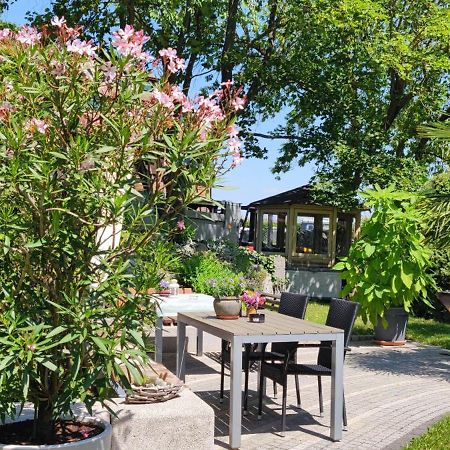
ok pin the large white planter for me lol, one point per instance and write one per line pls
(100, 442)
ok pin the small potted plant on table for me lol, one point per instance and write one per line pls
(387, 266)
(252, 301)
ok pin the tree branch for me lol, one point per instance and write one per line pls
(291, 137)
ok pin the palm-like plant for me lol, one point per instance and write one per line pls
(436, 199)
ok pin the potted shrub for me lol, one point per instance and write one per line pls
(80, 126)
(387, 266)
(227, 295)
(208, 275)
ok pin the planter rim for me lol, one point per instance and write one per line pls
(107, 430)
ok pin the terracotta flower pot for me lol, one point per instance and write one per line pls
(227, 308)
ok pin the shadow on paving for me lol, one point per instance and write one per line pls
(194, 365)
(297, 419)
(413, 360)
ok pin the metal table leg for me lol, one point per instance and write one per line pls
(158, 340)
(181, 350)
(337, 387)
(199, 342)
(236, 393)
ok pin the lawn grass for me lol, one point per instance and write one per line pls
(436, 438)
(427, 331)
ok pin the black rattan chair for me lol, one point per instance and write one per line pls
(342, 314)
(290, 304)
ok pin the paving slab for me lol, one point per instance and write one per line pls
(391, 394)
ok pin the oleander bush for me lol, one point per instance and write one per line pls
(80, 127)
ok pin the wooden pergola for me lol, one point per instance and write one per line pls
(291, 224)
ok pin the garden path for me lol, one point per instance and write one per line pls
(391, 393)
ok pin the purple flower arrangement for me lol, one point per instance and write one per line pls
(253, 299)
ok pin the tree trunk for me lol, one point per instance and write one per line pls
(45, 422)
(230, 34)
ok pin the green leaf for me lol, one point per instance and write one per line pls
(369, 249)
(34, 244)
(407, 279)
(59, 155)
(101, 344)
(137, 337)
(6, 361)
(48, 364)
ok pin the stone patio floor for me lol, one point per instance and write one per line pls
(392, 394)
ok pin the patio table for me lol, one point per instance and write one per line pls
(170, 306)
(277, 328)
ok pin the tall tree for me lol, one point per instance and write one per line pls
(353, 78)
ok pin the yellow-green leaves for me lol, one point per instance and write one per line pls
(388, 265)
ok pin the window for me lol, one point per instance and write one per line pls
(273, 232)
(345, 233)
(312, 233)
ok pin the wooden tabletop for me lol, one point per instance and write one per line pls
(275, 324)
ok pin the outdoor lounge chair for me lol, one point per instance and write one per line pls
(293, 305)
(342, 314)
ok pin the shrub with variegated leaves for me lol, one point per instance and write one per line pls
(80, 127)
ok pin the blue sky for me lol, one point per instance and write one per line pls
(251, 180)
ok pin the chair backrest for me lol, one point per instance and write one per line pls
(293, 305)
(342, 314)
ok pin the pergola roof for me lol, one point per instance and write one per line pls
(298, 196)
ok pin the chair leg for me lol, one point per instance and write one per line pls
(260, 394)
(283, 410)
(275, 393)
(319, 382)
(297, 388)
(344, 414)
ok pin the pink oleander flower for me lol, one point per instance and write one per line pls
(129, 43)
(5, 109)
(59, 68)
(109, 71)
(181, 225)
(5, 33)
(169, 53)
(227, 84)
(238, 103)
(81, 47)
(232, 131)
(58, 22)
(73, 32)
(88, 69)
(203, 134)
(178, 94)
(176, 65)
(28, 35)
(237, 159)
(173, 63)
(234, 144)
(164, 99)
(186, 105)
(38, 125)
